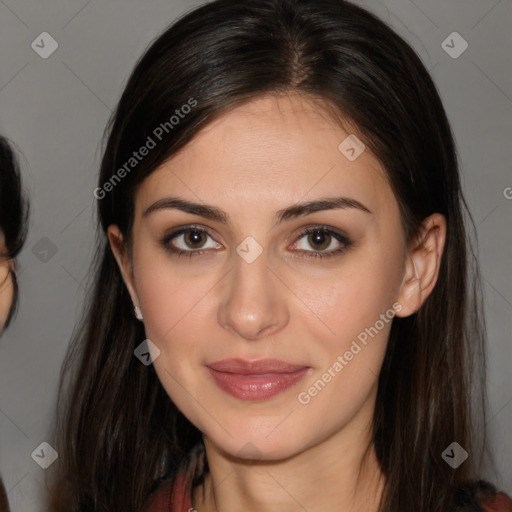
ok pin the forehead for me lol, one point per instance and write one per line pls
(269, 152)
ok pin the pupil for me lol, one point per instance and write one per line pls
(194, 238)
(319, 239)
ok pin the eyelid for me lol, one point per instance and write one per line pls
(183, 229)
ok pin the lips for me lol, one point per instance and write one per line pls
(255, 380)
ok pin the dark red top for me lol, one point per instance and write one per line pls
(500, 502)
(161, 500)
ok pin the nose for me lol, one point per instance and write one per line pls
(253, 304)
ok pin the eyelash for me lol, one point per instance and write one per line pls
(308, 254)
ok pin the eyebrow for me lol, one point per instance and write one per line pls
(297, 210)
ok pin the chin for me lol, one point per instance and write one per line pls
(254, 444)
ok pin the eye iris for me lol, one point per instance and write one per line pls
(194, 239)
(319, 238)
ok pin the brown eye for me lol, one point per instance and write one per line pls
(195, 239)
(319, 240)
(189, 241)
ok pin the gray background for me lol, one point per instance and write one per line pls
(55, 110)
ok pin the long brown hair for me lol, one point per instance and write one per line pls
(118, 431)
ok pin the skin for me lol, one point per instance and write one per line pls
(6, 285)
(271, 153)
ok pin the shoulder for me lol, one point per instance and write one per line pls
(171, 496)
(477, 496)
(481, 496)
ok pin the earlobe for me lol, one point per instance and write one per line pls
(118, 248)
(410, 294)
(422, 264)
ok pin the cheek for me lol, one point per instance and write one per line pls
(169, 296)
(6, 294)
(352, 298)
(350, 356)
(353, 316)
(180, 318)
(175, 310)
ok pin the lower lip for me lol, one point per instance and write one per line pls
(256, 387)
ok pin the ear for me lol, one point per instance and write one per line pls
(422, 264)
(120, 251)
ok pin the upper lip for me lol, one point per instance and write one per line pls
(261, 366)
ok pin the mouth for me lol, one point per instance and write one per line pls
(256, 380)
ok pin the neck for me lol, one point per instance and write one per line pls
(339, 473)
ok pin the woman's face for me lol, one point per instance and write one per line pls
(6, 287)
(267, 335)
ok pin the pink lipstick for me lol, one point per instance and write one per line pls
(257, 380)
